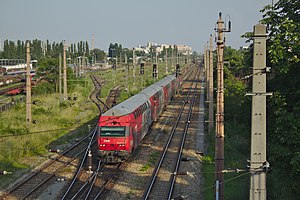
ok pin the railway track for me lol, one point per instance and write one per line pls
(103, 181)
(86, 185)
(20, 86)
(94, 96)
(162, 181)
(111, 99)
(113, 96)
(82, 176)
(93, 185)
(36, 182)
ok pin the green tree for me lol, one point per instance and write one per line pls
(87, 49)
(283, 24)
(100, 55)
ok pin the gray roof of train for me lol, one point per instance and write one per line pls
(129, 105)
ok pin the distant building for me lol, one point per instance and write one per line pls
(184, 49)
(15, 65)
(159, 48)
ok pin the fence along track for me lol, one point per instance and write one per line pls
(162, 180)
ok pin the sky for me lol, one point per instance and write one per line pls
(128, 22)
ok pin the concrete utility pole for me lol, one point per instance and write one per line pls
(133, 64)
(206, 66)
(79, 67)
(219, 148)
(166, 61)
(28, 85)
(211, 87)
(65, 74)
(172, 58)
(258, 163)
(93, 42)
(114, 73)
(126, 73)
(59, 79)
(84, 68)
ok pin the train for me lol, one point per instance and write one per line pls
(122, 128)
(11, 84)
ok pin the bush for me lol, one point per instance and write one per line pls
(43, 88)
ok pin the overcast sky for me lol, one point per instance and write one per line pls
(129, 22)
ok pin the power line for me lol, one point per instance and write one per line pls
(231, 179)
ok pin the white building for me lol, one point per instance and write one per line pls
(184, 49)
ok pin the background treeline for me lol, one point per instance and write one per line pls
(283, 137)
(40, 49)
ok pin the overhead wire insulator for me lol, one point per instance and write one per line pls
(90, 161)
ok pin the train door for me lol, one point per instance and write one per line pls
(165, 92)
(161, 101)
(146, 119)
(135, 137)
(155, 107)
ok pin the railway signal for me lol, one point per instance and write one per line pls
(177, 70)
(142, 68)
(154, 73)
(90, 162)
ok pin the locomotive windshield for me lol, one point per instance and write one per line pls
(112, 131)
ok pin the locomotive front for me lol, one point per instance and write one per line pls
(113, 139)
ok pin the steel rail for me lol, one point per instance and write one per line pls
(182, 145)
(92, 141)
(93, 180)
(51, 175)
(40, 170)
(109, 179)
(156, 170)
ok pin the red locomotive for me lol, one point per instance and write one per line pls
(122, 128)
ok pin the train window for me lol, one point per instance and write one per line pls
(112, 131)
